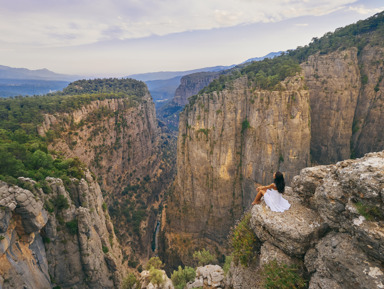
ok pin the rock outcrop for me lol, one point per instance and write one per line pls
(345, 89)
(191, 84)
(120, 141)
(61, 237)
(227, 141)
(209, 276)
(334, 229)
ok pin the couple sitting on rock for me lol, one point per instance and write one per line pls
(273, 194)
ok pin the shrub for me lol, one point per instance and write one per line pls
(371, 213)
(227, 264)
(204, 257)
(60, 202)
(154, 262)
(244, 242)
(105, 249)
(281, 276)
(156, 276)
(181, 277)
(129, 281)
(72, 226)
(245, 125)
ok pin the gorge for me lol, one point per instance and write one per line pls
(89, 173)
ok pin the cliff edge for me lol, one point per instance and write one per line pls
(333, 231)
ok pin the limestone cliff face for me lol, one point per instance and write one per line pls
(113, 137)
(229, 140)
(333, 81)
(191, 84)
(333, 231)
(346, 89)
(64, 238)
(121, 142)
(368, 134)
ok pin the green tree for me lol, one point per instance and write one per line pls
(204, 257)
(181, 277)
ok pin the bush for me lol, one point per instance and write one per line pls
(204, 257)
(281, 276)
(371, 213)
(181, 277)
(227, 264)
(156, 276)
(129, 281)
(105, 249)
(154, 262)
(72, 227)
(60, 202)
(244, 242)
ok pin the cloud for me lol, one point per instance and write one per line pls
(75, 22)
(365, 11)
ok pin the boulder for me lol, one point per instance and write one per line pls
(293, 231)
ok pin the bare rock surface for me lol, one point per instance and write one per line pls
(333, 231)
(293, 231)
(209, 277)
(43, 245)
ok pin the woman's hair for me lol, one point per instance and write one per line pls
(279, 182)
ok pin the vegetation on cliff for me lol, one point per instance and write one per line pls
(357, 35)
(268, 73)
(24, 153)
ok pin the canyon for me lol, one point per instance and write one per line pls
(235, 129)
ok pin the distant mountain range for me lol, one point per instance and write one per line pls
(269, 55)
(23, 81)
(162, 85)
(7, 72)
(165, 75)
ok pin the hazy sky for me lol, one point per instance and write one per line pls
(121, 37)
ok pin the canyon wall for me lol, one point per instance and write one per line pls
(120, 141)
(228, 140)
(346, 99)
(61, 236)
(191, 84)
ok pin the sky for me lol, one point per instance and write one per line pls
(116, 38)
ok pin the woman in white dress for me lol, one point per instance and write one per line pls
(273, 194)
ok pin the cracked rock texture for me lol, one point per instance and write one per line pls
(334, 230)
(43, 245)
(227, 140)
(237, 136)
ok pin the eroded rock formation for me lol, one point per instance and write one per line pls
(63, 237)
(120, 141)
(227, 141)
(333, 230)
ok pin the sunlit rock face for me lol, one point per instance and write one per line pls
(229, 140)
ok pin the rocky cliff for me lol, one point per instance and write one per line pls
(333, 231)
(345, 89)
(235, 134)
(121, 143)
(227, 141)
(190, 85)
(61, 236)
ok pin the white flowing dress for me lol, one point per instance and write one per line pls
(275, 201)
